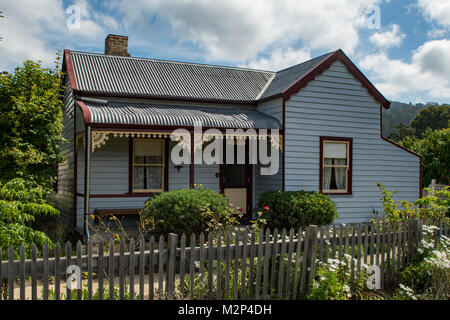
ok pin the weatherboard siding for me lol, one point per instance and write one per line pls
(272, 108)
(262, 183)
(109, 175)
(336, 104)
(177, 179)
(64, 195)
(266, 182)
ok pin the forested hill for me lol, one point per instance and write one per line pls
(399, 113)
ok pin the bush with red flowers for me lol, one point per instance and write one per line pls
(294, 209)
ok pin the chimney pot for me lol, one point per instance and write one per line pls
(116, 45)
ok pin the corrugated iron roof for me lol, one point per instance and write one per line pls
(287, 77)
(96, 74)
(176, 115)
(106, 74)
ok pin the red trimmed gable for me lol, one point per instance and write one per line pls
(319, 69)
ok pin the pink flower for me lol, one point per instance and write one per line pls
(266, 208)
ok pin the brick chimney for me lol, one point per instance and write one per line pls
(116, 45)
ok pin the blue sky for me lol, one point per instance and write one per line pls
(406, 55)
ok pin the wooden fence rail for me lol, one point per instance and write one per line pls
(238, 265)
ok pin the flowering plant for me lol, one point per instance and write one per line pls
(334, 280)
(427, 276)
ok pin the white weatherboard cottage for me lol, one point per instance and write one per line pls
(119, 113)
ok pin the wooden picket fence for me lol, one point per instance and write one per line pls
(240, 265)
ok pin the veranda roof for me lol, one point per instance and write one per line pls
(126, 113)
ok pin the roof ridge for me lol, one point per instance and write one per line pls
(316, 58)
(265, 87)
(174, 61)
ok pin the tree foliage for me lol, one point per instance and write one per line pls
(403, 120)
(30, 135)
(432, 206)
(21, 202)
(30, 123)
(399, 114)
(435, 150)
(433, 117)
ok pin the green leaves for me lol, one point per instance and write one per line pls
(188, 211)
(433, 118)
(20, 203)
(430, 207)
(30, 123)
(292, 209)
(435, 150)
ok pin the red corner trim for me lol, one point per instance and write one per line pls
(283, 169)
(85, 110)
(407, 150)
(324, 65)
(70, 70)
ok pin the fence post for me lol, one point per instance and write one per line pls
(414, 236)
(433, 186)
(173, 238)
(312, 255)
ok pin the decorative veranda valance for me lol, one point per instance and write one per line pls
(100, 137)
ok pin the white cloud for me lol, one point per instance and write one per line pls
(427, 72)
(30, 29)
(280, 59)
(436, 10)
(237, 31)
(387, 39)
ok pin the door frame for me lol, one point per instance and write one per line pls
(249, 176)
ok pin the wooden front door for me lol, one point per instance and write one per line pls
(236, 183)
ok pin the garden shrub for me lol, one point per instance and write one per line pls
(432, 206)
(427, 275)
(294, 209)
(187, 211)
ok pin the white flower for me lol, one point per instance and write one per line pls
(408, 291)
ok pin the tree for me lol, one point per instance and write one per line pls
(435, 150)
(433, 117)
(399, 113)
(21, 202)
(30, 123)
(402, 131)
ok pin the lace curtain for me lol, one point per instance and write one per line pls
(148, 164)
(147, 178)
(340, 174)
(327, 174)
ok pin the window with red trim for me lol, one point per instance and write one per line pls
(336, 165)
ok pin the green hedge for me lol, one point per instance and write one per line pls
(294, 209)
(183, 211)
